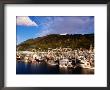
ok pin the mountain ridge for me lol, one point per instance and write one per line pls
(56, 40)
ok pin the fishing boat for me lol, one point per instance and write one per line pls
(18, 57)
(86, 65)
(63, 63)
(52, 63)
(70, 64)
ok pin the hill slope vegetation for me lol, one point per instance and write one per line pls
(56, 41)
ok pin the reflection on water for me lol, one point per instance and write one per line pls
(43, 68)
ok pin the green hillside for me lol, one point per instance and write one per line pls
(56, 41)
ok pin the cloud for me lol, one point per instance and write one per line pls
(53, 25)
(67, 24)
(25, 21)
(72, 25)
(43, 33)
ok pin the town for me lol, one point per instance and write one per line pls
(62, 57)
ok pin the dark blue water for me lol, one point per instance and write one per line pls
(43, 68)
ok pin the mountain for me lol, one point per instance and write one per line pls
(57, 40)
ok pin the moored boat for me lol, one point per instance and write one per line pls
(18, 58)
(86, 65)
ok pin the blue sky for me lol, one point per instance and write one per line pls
(28, 27)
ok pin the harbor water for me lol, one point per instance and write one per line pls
(44, 68)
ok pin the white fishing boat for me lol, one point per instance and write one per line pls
(86, 65)
(52, 63)
(26, 61)
(63, 66)
(18, 57)
(69, 64)
(63, 63)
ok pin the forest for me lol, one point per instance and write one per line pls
(53, 41)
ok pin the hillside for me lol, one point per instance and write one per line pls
(56, 41)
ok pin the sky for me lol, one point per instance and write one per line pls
(28, 27)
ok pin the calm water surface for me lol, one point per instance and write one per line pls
(43, 68)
